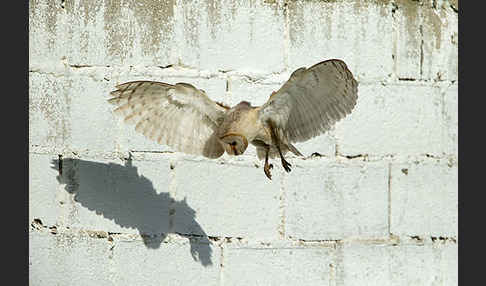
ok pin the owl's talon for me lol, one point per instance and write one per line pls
(286, 165)
(266, 169)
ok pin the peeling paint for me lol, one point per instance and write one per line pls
(120, 37)
(433, 22)
(411, 13)
(214, 8)
(88, 10)
(192, 19)
(157, 17)
(51, 21)
(295, 12)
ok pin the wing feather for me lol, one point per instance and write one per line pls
(311, 101)
(180, 116)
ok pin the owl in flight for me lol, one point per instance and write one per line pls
(186, 119)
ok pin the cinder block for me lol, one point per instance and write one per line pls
(161, 33)
(244, 89)
(43, 190)
(358, 32)
(93, 126)
(231, 35)
(408, 39)
(451, 122)
(228, 199)
(424, 265)
(96, 34)
(426, 41)
(440, 44)
(68, 259)
(324, 145)
(401, 119)
(332, 200)
(170, 264)
(117, 196)
(279, 266)
(49, 111)
(362, 264)
(449, 266)
(48, 30)
(68, 110)
(424, 198)
(133, 33)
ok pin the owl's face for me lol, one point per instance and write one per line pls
(234, 144)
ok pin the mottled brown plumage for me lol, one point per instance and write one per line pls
(184, 118)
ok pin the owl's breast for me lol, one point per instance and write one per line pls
(249, 125)
(242, 124)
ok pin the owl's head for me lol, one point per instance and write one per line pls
(234, 144)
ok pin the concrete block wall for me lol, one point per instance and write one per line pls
(374, 201)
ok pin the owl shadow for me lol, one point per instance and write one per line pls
(119, 193)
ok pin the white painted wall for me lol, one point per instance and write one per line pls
(379, 207)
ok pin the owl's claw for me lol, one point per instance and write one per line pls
(286, 165)
(266, 169)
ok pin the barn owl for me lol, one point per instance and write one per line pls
(186, 119)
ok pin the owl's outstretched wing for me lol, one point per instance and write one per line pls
(311, 101)
(180, 116)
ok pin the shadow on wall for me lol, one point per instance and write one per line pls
(118, 193)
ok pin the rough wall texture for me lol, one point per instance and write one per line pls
(378, 206)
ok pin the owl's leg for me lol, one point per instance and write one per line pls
(267, 166)
(276, 141)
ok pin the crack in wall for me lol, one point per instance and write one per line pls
(421, 50)
(287, 39)
(389, 198)
(406, 79)
(282, 206)
(433, 239)
(322, 241)
(364, 156)
(221, 266)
